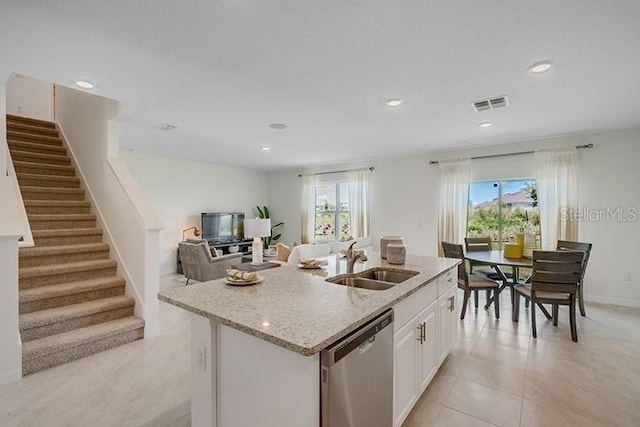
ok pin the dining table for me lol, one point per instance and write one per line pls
(497, 260)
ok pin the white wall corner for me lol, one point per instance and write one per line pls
(11, 348)
(85, 117)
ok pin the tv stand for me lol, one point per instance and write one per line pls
(223, 248)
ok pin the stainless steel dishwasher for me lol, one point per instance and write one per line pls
(357, 377)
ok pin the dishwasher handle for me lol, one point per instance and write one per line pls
(361, 339)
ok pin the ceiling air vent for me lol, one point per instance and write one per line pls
(168, 127)
(490, 104)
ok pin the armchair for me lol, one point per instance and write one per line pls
(200, 265)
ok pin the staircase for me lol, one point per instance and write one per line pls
(72, 303)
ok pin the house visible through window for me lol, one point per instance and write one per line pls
(332, 215)
(502, 209)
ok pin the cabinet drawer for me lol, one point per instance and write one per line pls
(447, 281)
(409, 307)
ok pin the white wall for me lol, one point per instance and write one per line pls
(129, 223)
(405, 197)
(29, 97)
(180, 190)
(12, 225)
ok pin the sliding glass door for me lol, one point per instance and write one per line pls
(502, 209)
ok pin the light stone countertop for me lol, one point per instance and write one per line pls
(296, 308)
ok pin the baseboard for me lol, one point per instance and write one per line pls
(612, 301)
(10, 376)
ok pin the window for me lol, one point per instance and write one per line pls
(332, 215)
(502, 209)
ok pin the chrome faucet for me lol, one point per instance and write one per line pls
(353, 256)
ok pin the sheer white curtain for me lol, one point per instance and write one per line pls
(308, 208)
(557, 182)
(453, 201)
(360, 201)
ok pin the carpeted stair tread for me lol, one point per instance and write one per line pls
(61, 221)
(37, 157)
(71, 267)
(51, 193)
(61, 314)
(56, 254)
(33, 147)
(56, 217)
(56, 207)
(68, 293)
(72, 303)
(30, 137)
(31, 129)
(11, 118)
(70, 288)
(64, 232)
(74, 311)
(48, 180)
(67, 236)
(37, 251)
(57, 203)
(91, 334)
(43, 168)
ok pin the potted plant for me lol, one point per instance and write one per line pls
(263, 213)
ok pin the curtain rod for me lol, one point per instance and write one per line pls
(490, 156)
(342, 171)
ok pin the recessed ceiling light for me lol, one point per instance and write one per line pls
(84, 84)
(394, 102)
(485, 124)
(540, 67)
(265, 148)
(278, 126)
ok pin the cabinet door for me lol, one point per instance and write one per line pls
(428, 348)
(405, 366)
(448, 316)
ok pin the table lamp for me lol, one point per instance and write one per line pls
(257, 228)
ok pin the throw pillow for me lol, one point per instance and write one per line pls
(283, 252)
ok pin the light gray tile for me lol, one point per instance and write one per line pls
(452, 418)
(485, 403)
(505, 378)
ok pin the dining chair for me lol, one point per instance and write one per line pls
(565, 245)
(470, 282)
(483, 243)
(554, 280)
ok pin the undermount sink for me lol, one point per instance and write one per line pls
(360, 282)
(377, 278)
(387, 275)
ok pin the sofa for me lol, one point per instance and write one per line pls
(317, 250)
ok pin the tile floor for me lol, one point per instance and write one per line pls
(145, 383)
(496, 375)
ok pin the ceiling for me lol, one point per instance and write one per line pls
(222, 71)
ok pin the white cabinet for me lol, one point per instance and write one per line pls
(448, 317)
(425, 330)
(405, 378)
(415, 360)
(428, 351)
(447, 313)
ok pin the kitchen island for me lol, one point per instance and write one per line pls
(255, 349)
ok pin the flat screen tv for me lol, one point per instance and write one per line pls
(222, 227)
